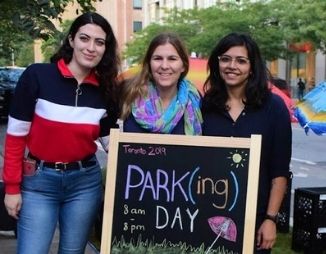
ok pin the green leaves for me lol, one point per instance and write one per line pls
(274, 24)
(25, 20)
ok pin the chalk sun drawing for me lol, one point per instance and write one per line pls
(238, 158)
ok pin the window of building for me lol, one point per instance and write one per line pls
(137, 4)
(137, 26)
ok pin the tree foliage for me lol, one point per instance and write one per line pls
(180, 22)
(35, 16)
(22, 21)
(302, 21)
(274, 24)
(50, 46)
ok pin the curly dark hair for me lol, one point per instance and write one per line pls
(108, 68)
(257, 87)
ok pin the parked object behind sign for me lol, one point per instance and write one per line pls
(8, 79)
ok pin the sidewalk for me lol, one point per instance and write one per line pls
(8, 244)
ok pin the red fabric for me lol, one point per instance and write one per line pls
(57, 141)
(287, 100)
(13, 163)
(91, 78)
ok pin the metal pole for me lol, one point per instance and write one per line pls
(12, 57)
(298, 59)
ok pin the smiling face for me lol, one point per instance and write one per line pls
(88, 47)
(166, 67)
(236, 70)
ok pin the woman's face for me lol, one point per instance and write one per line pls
(166, 66)
(88, 46)
(234, 66)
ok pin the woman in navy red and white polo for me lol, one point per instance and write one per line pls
(58, 111)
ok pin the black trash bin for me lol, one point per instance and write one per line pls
(309, 220)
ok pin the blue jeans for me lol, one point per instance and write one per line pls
(68, 198)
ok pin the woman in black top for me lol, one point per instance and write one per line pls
(238, 103)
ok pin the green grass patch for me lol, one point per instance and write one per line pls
(283, 244)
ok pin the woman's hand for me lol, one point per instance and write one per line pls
(13, 204)
(266, 235)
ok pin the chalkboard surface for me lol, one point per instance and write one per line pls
(193, 193)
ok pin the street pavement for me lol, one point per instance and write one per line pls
(8, 244)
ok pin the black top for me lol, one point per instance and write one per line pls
(272, 121)
(130, 125)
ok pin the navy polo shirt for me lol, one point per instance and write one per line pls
(272, 121)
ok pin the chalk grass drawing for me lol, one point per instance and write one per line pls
(166, 247)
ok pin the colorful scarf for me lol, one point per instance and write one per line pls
(150, 115)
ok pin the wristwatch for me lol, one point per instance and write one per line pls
(273, 218)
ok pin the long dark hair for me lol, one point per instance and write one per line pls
(109, 66)
(257, 87)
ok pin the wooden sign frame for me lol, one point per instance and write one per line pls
(117, 137)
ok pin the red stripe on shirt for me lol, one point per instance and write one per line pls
(65, 142)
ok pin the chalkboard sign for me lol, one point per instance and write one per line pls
(183, 193)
